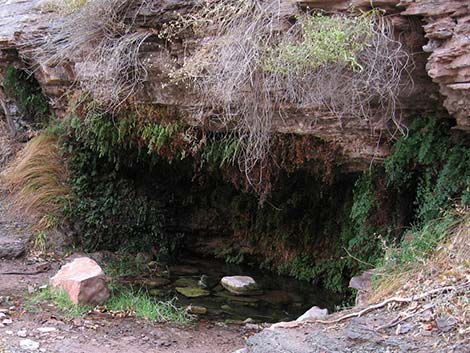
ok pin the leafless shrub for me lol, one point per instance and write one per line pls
(230, 74)
(100, 36)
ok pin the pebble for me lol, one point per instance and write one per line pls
(29, 345)
(7, 321)
(22, 333)
(47, 329)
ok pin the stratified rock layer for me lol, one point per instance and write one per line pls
(447, 27)
(362, 142)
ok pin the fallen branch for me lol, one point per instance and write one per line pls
(399, 320)
(394, 300)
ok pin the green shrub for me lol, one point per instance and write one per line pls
(325, 40)
(428, 161)
(419, 243)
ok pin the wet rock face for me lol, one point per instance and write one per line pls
(447, 28)
(84, 282)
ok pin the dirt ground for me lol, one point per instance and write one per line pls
(23, 330)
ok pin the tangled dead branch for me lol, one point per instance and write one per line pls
(244, 77)
(101, 38)
(255, 60)
(458, 288)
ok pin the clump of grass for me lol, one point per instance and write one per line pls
(37, 178)
(143, 305)
(60, 299)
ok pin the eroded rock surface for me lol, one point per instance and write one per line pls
(361, 142)
(447, 28)
(356, 336)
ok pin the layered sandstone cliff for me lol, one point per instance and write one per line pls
(445, 36)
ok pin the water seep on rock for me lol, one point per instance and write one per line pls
(240, 285)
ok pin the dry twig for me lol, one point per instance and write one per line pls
(370, 308)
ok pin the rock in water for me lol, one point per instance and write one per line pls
(240, 285)
(208, 282)
(83, 280)
(313, 314)
(192, 292)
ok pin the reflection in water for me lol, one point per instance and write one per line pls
(282, 298)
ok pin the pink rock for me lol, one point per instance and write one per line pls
(83, 280)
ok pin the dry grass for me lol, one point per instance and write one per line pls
(36, 179)
(448, 265)
(100, 36)
(8, 146)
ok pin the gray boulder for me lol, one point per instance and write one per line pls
(240, 285)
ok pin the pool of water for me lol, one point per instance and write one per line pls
(282, 298)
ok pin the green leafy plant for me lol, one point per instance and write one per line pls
(325, 40)
(419, 242)
(439, 168)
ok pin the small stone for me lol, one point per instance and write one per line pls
(156, 292)
(22, 333)
(47, 329)
(313, 314)
(253, 327)
(207, 282)
(197, 310)
(404, 329)
(186, 282)
(29, 345)
(7, 321)
(9, 332)
(446, 323)
(240, 285)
